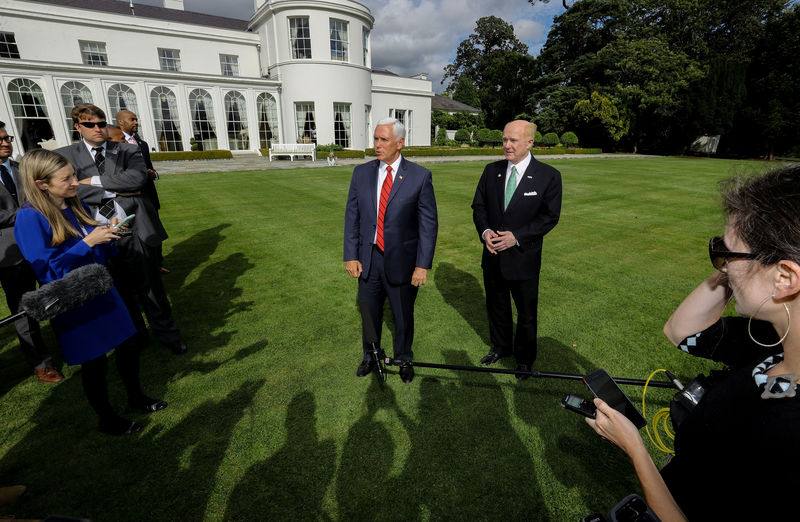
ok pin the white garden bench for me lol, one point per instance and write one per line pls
(293, 149)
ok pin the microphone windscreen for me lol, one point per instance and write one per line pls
(77, 287)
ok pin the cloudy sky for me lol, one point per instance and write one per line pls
(413, 36)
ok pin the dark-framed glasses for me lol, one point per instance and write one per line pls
(91, 124)
(720, 254)
(7, 139)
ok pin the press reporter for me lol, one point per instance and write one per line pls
(56, 235)
(737, 452)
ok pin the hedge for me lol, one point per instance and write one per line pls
(191, 155)
(322, 154)
(482, 151)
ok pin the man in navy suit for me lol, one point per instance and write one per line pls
(390, 229)
(517, 202)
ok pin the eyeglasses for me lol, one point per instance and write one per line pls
(720, 254)
(91, 124)
(7, 139)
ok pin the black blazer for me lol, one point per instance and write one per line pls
(533, 212)
(149, 188)
(9, 251)
(124, 172)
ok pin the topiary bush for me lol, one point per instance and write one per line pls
(191, 155)
(463, 136)
(441, 136)
(537, 139)
(550, 139)
(569, 139)
(496, 137)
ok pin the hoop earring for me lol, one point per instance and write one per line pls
(788, 326)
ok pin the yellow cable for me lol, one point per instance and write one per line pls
(661, 416)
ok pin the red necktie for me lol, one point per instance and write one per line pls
(385, 190)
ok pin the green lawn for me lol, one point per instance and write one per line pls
(266, 418)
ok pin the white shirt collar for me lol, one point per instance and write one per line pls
(90, 148)
(522, 166)
(395, 164)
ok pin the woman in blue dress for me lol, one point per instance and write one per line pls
(56, 234)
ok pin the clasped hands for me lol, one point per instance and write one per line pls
(499, 241)
(418, 278)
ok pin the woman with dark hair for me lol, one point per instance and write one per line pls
(738, 451)
(56, 234)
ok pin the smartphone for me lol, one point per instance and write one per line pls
(125, 221)
(579, 405)
(603, 386)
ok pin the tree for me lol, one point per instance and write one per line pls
(465, 92)
(600, 120)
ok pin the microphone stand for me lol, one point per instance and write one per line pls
(13, 318)
(372, 338)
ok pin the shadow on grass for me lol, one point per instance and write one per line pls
(462, 291)
(13, 367)
(192, 252)
(166, 474)
(465, 461)
(291, 483)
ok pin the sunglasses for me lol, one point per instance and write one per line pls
(720, 254)
(91, 124)
(7, 139)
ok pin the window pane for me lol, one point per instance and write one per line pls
(8, 46)
(72, 94)
(165, 119)
(341, 124)
(267, 120)
(306, 124)
(94, 53)
(229, 64)
(299, 38)
(236, 114)
(121, 97)
(365, 42)
(338, 40)
(202, 113)
(30, 113)
(169, 59)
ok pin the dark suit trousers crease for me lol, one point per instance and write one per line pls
(138, 280)
(16, 280)
(374, 290)
(499, 292)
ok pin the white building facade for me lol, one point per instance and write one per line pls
(297, 72)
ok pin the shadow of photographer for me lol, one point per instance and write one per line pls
(464, 293)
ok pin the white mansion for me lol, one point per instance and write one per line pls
(299, 71)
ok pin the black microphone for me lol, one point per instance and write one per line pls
(74, 289)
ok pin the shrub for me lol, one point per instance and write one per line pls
(193, 144)
(538, 138)
(327, 148)
(569, 139)
(441, 136)
(463, 136)
(496, 137)
(550, 139)
(479, 151)
(191, 155)
(483, 136)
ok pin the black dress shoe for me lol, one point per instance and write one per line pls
(523, 368)
(406, 371)
(178, 347)
(365, 368)
(148, 405)
(491, 358)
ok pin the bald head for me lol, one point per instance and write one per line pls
(128, 122)
(527, 128)
(518, 140)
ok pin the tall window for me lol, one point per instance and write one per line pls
(121, 98)
(201, 108)
(404, 117)
(341, 124)
(299, 38)
(93, 53)
(169, 59)
(8, 46)
(229, 64)
(367, 125)
(73, 93)
(365, 42)
(30, 113)
(236, 114)
(306, 125)
(267, 120)
(165, 119)
(338, 40)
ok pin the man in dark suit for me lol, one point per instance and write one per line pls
(390, 229)
(129, 124)
(112, 173)
(517, 202)
(16, 276)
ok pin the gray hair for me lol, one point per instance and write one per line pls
(398, 129)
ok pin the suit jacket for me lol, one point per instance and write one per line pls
(410, 223)
(9, 251)
(124, 172)
(150, 187)
(533, 211)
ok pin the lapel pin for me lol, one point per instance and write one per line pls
(529, 177)
(499, 175)
(401, 177)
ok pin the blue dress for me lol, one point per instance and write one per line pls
(96, 326)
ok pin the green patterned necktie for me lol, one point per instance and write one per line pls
(511, 186)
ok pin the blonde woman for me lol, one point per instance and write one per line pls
(56, 235)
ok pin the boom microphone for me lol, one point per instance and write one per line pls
(74, 289)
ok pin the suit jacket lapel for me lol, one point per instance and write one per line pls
(501, 186)
(399, 178)
(112, 154)
(85, 162)
(525, 185)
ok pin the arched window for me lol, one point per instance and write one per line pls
(165, 119)
(236, 114)
(201, 110)
(267, 120)
(121, 98)
(30, 113)
(72, 94)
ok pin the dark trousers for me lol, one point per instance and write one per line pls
(95, 383)
(525, 293)
(373, 291)
(16, 280)
(138, 280)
